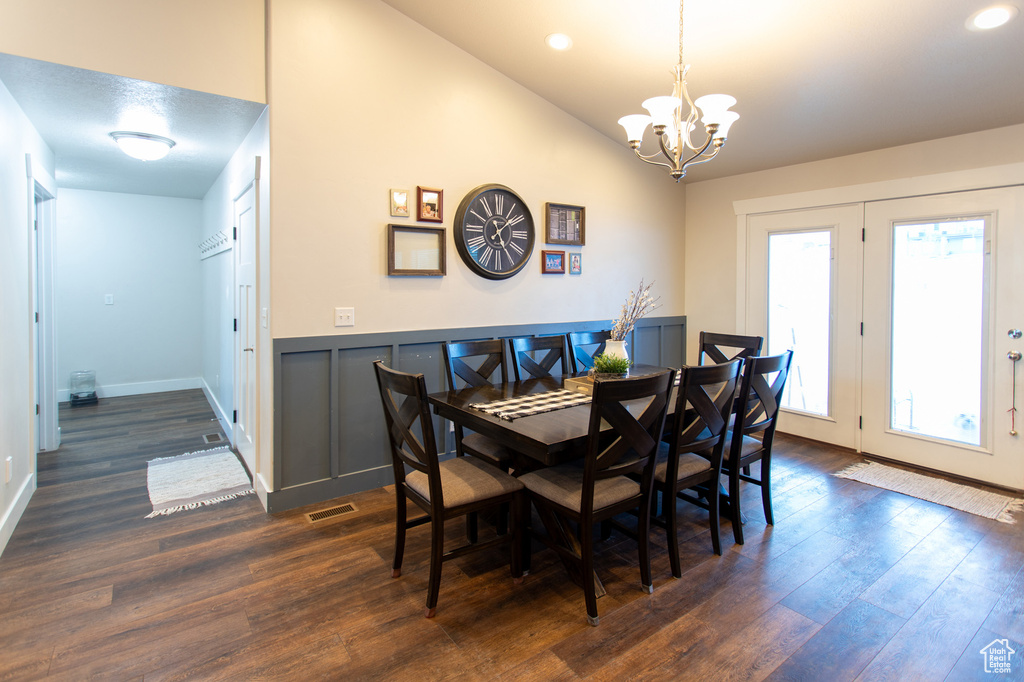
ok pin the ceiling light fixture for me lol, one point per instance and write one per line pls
(991, 17)
(558, 41)
(143, 146)
(673, 131)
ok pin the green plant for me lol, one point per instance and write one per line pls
(611, 364)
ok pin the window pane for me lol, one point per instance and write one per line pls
(937, 315)
(800, 312)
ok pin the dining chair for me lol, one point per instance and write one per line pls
(527, 361)
(763, 380)
(583, 346)
(477, 363)
(691, 455)
(444, 490)
(620, 443)
(725, 347)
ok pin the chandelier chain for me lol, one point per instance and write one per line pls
(680, 33)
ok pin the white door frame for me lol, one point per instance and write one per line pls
(42, 191)
(256, 348)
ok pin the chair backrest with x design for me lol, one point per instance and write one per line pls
(404, 397)
(583, 346)
(704, 403)
(721, 348)
(524, 350)
(764, 379)
(627, 418)
(485, 358)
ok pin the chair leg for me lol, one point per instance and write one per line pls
(766, 491)
(586, 533)
(527, 538)
(643, 541)
(716, 536)
(400, 521)
(436, 554)
(472, 525)
(734, 504)
(671, 532)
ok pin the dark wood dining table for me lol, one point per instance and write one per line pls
(538, 440)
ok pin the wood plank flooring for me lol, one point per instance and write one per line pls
(852, 582)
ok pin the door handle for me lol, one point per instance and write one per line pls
(248, 350)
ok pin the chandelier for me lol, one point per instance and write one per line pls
(673, 131)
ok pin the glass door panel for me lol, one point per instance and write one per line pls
(938, 294)
(800, 314)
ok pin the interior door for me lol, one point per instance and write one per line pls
(942, 285)
(803, 294)
(245, 426)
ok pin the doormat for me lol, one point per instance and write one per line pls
(195, 479)
(937, 490)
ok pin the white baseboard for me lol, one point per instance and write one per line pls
(218, 409)
(13, 513)
(118, 390)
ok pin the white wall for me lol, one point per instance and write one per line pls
(711, 219)
(17, 399)
(218, 339)
(143, 250)
(362, 100)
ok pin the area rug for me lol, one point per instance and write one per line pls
(195, 479)
(937, 490)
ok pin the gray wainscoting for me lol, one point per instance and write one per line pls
(329, 435)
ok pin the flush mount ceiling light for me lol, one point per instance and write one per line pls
(673, 125)
(558, 41)
(142, 146)
(991, 17)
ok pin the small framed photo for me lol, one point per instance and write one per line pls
(399, 203)
(565, 224)
(429, 205)
(552, 262)
(575, 263)
(416, 251)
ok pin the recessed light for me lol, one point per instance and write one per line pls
(558, 41)
(142, 146)
(991, 17)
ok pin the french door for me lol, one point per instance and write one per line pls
(898, 312)
(803, 273)
(942, 286)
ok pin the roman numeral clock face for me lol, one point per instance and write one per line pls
(494, 231)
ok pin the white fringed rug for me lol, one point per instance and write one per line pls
(195, 479)
(937, 490)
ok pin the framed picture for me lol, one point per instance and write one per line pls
(399, 203)
(575, 263)
(565, 224)
(552, 262)
(429, 204)
(416, 251)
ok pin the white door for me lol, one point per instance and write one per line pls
(803, 294)
(943, 280)
(245, 418)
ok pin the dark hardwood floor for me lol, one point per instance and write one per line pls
(852, 582)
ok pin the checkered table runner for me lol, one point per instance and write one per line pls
(527, 405)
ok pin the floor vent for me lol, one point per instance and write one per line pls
(330, 513)
(213, 438)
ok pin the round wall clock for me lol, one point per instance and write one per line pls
(494, 231)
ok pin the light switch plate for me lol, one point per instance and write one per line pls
(344, 317)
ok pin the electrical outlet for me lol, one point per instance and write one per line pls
(344, 317)
(108, 299)
(8, 465)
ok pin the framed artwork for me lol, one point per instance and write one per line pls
(399, 203)
(416, 251)
(575, 263)
(565, 224)
(429, 204)
(552, 262)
